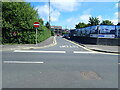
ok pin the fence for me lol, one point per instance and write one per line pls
(99, 34)
(103, 31)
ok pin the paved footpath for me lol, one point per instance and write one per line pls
(104, 48)
(46, 43)
(101, 48)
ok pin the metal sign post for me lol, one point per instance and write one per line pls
(36, 36)
(36, 25)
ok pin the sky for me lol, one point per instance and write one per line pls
(68, 13)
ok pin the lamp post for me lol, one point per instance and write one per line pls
(98, 27)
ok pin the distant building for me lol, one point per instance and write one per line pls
(57, 29)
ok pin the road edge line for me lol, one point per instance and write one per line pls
(88, 49)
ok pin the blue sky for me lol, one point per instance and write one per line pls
(67, 14)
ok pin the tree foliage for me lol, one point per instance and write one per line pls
(47, 25)
(106, 22)
(18, 19)
(18, 15)
(41, 21)
(81, 25)
(118, 23)
(93, 21)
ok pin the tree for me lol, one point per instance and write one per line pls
(118, 23)
(17, 23)
(47, 25)
(81, 25)
(41, 21)
(93, 21)
(106, 22)
(18, 15)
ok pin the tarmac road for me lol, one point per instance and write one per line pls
(64, 65)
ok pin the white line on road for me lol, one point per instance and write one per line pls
(92, 52)
(85, 52)
(40, 51)
(22, 62)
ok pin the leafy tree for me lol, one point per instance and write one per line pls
(17, 23)
(118, 23)
(18, 15)
(52, 33)
(41, 21)
(106, 22)
(81, 25)
(47, 25)
(93, 21)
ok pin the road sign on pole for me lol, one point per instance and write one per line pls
(36, 25)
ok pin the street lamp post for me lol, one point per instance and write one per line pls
(98, 34)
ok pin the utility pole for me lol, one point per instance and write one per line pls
(49, 15)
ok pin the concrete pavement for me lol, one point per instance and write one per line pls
(47, 43)
(101, 48)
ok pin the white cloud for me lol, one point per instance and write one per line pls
(116, 5)
(55, 15)
(72, 21)
(43, 12)
(100, 18)
(69, 20)
(65, 5)
(88, 11)
(115, 21)
(85, 18)
(117, 14)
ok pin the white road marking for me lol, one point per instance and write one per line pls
(22, 62)
(68, 46)
(89, 49)
(86, 52)
(40, 51)
(62, 46)
(93, 52)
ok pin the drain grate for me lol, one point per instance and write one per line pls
(90, 76)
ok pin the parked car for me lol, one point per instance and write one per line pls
(65, 35)
(58, 34)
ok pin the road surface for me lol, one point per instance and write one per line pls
(64, 65)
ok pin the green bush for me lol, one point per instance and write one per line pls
(17, 27)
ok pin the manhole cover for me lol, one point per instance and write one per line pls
(90, 76)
